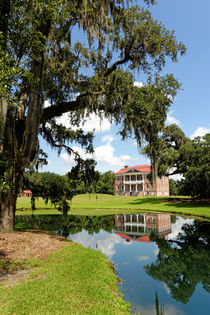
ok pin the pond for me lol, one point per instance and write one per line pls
(163, 260)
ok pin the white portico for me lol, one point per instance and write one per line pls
(133, 181)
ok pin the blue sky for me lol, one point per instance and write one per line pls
(191, 109)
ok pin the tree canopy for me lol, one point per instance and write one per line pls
(42, 59)
(177, 154)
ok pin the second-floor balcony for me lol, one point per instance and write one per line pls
(136, 181)
(133, 179)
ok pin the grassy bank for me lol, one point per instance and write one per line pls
(74, 281)
(107, 204)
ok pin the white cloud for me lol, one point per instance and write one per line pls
(166, 288)
(177, 227)
(91, 123)
(49, 162)
(156, 250)
(134, 144)
(103, 154)
(69, 159)
(176, 177)
(138, 84)
(104, 241)
(171, 120)
(200, 132)
(107, 138)
(142, 258)
(47, 104)
(169, 309)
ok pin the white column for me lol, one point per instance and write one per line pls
(137, 218)
(131, 218)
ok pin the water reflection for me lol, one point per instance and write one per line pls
(163, 260)
(183, 263)
(138, 227)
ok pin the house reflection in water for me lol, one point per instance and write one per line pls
(138, 227)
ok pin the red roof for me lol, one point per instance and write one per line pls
(27, 191)
(128, 238)
(144, 239)
(142, 168)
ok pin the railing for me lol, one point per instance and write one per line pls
(133, 181)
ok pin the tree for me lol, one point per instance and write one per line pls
(167, 150)
(58, 190)
(43, 61)
(177, 154)
(196, 180)
(175, 187)
(105, 184)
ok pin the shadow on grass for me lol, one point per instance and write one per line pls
(174, 203)
(147, 200)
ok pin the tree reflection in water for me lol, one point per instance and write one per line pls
(184, 262)
(64, 226)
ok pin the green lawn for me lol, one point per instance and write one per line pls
(107, 204)
(74, 281)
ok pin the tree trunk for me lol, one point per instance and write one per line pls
(7, 211)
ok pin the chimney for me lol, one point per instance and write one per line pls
(125, 166)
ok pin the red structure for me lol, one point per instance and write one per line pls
(26, 193)
(133, 181)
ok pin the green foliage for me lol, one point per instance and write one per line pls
(84, 171)
(64, 226)
(197, 174)
(174, 187)
(5, 185)
(105, 183)
(177, 154)
(56, 188)
(42, 60)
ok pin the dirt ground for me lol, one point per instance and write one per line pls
(29, 245)
(26, 245)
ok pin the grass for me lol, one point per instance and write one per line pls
(76, 280)
(10, 266)
(107, 204)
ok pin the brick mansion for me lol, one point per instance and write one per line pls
(133, 181)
